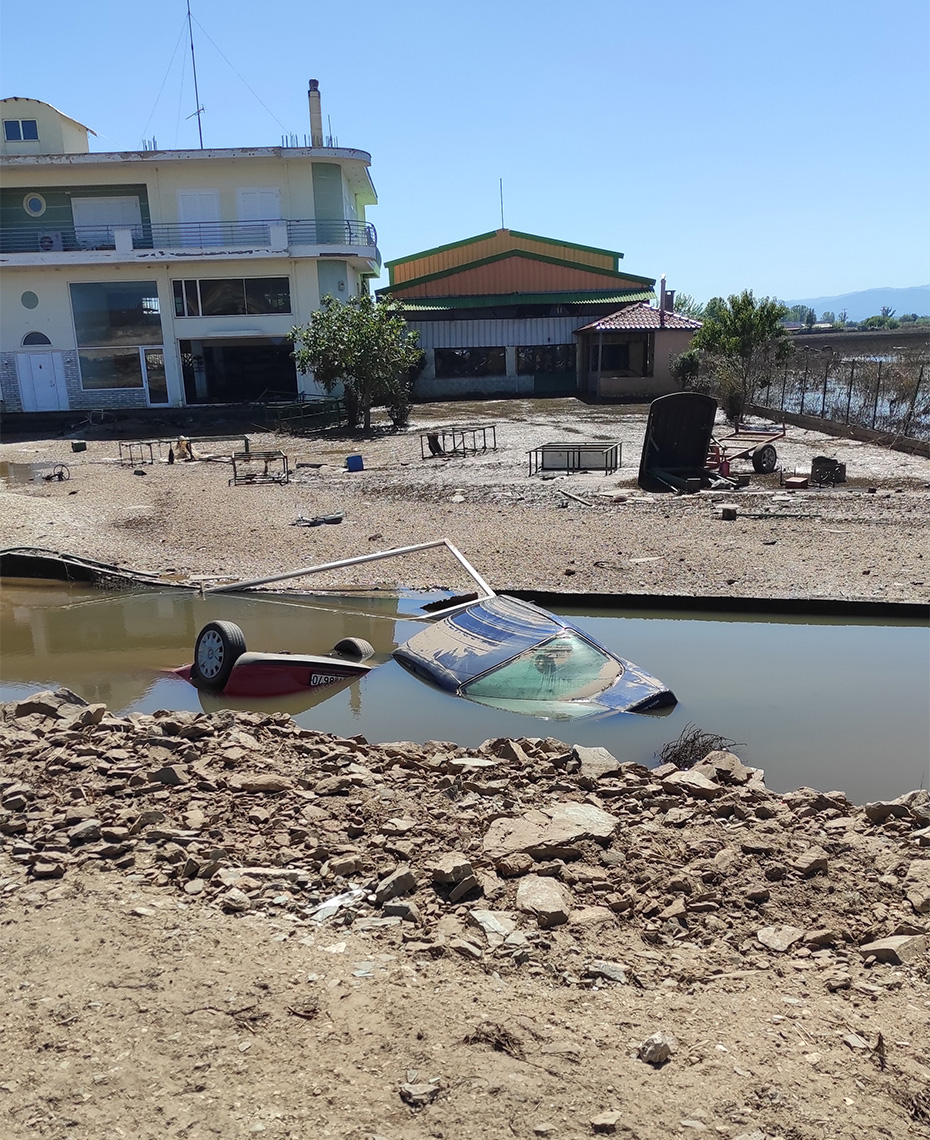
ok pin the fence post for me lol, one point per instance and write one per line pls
(807, 364)
(784, 385)
(823, 402)
(878, 388)
(852, 373)
(910, 410)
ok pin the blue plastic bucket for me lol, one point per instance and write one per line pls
(354, 463)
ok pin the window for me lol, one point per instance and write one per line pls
(35, 338)
(230, 297)
(114, 322)
(545, 358)
(455, 362)
(116, 313)
(15, 130)
(34, 204)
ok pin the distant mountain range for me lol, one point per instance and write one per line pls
(869, 302)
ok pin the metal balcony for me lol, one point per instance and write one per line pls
(266, 234)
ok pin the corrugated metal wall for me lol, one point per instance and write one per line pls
(485, 334)
(500, 242)
(515, 275)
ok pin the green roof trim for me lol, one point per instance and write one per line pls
(524, 253)
(494, 300)
(494, 233)
(570, 244)
(440, 249)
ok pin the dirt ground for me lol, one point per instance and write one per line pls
(867, 538)
(512, 924)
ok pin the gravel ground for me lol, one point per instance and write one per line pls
(866, 539)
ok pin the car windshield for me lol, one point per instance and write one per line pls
(565, 667)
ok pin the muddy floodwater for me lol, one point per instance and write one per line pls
(830, 703)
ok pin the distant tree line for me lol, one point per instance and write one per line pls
(686, 304)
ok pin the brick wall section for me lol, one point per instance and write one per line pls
(97, 399)
(9, 383)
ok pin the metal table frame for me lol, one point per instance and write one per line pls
(577, 456)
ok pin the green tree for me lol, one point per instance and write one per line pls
(810, 319)
(801, 314)
(827, 317)
(740, 344)
(688, 307)
(365, 344)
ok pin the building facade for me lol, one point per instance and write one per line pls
(168, 278)
(497, 313)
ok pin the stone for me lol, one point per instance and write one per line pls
(898, 949)
(607, 971)
(495, 924)
(399, 882)
(881, 810)
(47, 869)
(466, 948)
(726, 766)
(657, 1049)
(692, 783)
(917, 887)
(591, 917)
(545, 898)
(811, 862)
(513, 865)
(463, 888)
(52, 703)
(171, 775)
(405, 911)
(344, 865)
(235, 901)
(88, 831)
(606, 1123)
(543, 834)
(260, 784)
(677, 909)
(418, 1095)
(594, 764)
(779, 938)
(450, 868)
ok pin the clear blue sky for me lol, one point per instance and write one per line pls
(726, 143)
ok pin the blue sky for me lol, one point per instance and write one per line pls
(727, 143)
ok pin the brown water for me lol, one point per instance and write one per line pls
(828, 703)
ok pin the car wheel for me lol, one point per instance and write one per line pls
(219, 646)
(355, 647)
(764, 459)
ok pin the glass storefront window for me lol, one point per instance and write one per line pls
(155, 377)
(116, 313)
(110, 368)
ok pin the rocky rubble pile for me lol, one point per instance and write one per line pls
(525, 853)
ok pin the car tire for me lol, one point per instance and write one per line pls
(355, 647)
(219, 646)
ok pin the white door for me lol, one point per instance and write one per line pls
(199, 215)
(94, 219)
(42, 381)
(262, 205)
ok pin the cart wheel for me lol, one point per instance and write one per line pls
(764, 459)
(219, 646)
(355, 647)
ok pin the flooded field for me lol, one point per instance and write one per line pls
(827, 703)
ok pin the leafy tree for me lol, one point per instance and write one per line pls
(886, 312)
(740, 344)
(801, 314)
(688, 307)
(365, 343)
(844, 313)
(908, 318)
(828, 317)
(810, 319)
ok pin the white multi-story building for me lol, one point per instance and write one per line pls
(168, 277)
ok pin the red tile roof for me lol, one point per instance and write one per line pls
(641, 316)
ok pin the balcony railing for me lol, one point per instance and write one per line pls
(189, 235)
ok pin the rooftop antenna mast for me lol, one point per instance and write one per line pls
(502, 202)
(199, 111)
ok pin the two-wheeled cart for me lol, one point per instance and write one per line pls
(754, 444)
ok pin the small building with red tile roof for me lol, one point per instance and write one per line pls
(628, 355)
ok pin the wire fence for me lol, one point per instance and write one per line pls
(888, 393)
